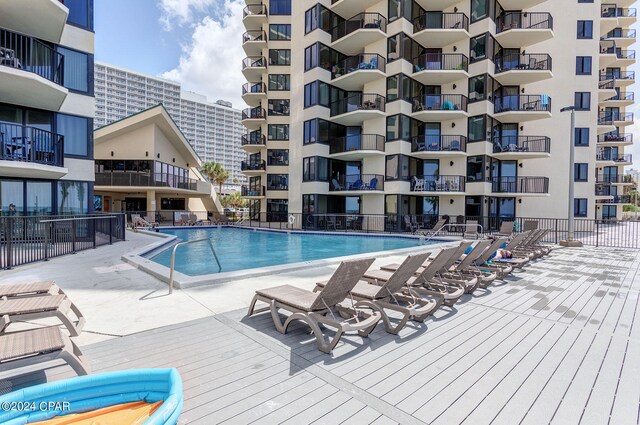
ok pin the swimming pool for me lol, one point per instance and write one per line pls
(240, 249)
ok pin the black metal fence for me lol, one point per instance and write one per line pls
(27, 239)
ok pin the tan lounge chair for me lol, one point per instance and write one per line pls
(25, 348)
(530, 225)
(506, 229)
(324, 307)
(471, 230)
(467, 268)
(390, 295)
(25, 289)
(484, 262)
(436, 228)
(39, 307)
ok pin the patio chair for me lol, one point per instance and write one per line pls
(467, 267)
(471, 230)
(331, 222)
(336, 185)
(151, 222)
(373, 184)
(40, 307)
(357, 185)
(324, 307)
(506, 229)
(185, 220)
(25, 348)
(530, 225)
(138, 221)
(436, 228)
(409, 224)
(390, 296)
(418, 184)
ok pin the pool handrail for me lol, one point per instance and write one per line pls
(173, 258)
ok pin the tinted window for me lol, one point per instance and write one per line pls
(80, 13)
(78, 70)
(77, 132)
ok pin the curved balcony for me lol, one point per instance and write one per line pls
(31, 73)
(30, 152)
(438, 146)
(253, 118)
(515, 147)
(253, 67)
(620, 119)
(353, 35)
(357, 184)
(616, 199)
(626, 16)
(522, 108)
(617, 179)
(615, 139)
(620, 100)
(608, 53)
(625, 58)
(254, 16)
(253, 41)
(619, 78)
(520, 186)
(254, 192)
(440, 68)
(253, 167)
(351, 7)
(437, 184)
(254, 93)
(606, 90)
(354, 72)
(439, 107)
(437, 29)
(623, 37)
(605, 123)
(516, 69)
(522, 29)
(357, 108)
(44, 19)
(253, 142)
(614, 159)
(124, 181)
(357, 146)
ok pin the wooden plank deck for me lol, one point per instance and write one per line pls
(556, 343)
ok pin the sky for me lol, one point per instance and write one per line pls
(199, 44)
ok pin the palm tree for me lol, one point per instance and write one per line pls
(216, 173)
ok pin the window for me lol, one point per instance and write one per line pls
(278, 107)
(583, 65)
(73, 197)
(476, 168)
(476, 127)
(399, 128)
(582, 137)
(80, 13)
(479, 10)
(280, 32)
(278, 157)
(278, 131)
(279, 82)
(176, 204)
(280, 7)
(580, 207)
(277, 181)
(315, 168)
(78, 70)
(401, 87)
(316, 93)
(585, 1)
(397, 167)
(583, 101)
(401, 46)
(400, 9)
(321, 131)
(77, 132)
(585, 29)
(280, 57)
(581, 172)
(311, 57)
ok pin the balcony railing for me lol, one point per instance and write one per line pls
(254, 35)
(620, 138)
(520, 184)
(437, 183)
(357, 182)
(439, 143)
(520, 62)
(522, 144)
(524, 20)
(607, 156)
(361, 142)
(254, 114)
(361, 62)
(440, 102)
(437, 20)
(611, 10)
(626, 54)
(606, 85)
(360, 21)
(608, 118)
(128, 179)
(253, 139)
(624, 96)
(254, 62)
(253, 165)
(522, 102)
(621, 33)
(441, 62)
(253, 191)
(255, 88)
(619, 75)
(358, 101)
(617, 199)
(29, 54)
(30, 144)
(254, 9)
(277, 185)
(618, 178)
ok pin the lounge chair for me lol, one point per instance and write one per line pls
(409, 224)
(331, 222)
(516, 262)
(484, 262)
(317, 309)
(470, 230)
(152, 223)
(506, 229)
(25, 348)
(390, 296)
(185, 220)
(530, 225)
(336, 186)
(39, 307)
(12, 290)
(436, 228)
(467, 267)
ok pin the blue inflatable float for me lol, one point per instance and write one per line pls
(95, 392)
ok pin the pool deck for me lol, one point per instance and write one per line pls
(556, 343)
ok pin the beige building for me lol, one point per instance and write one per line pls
(144, 164)
(46, 107)
(436, 107)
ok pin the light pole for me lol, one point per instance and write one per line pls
(572, 140)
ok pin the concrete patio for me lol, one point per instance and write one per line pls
(557, 343)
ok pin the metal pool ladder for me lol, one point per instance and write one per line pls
(173, 257)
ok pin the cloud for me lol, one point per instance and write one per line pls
(210, 63)
(181, 11)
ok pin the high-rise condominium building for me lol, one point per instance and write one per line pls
(437, 107)
(213, 129)
(46, 107)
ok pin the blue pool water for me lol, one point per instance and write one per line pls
(240, 249)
